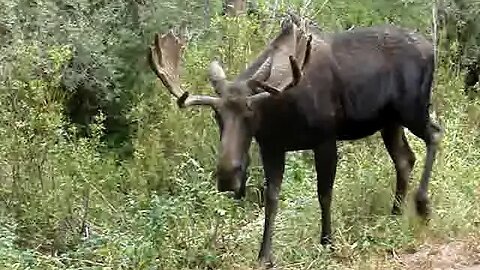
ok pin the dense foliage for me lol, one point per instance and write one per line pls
(462, 24)
(99, 168)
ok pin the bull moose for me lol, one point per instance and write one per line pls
(307, 90)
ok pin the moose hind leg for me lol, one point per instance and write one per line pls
(432, 137)
(325, 165)
(403, 158)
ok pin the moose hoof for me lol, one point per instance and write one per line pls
(266, 262)
(422, 205)
(397, 210)
(326, 241)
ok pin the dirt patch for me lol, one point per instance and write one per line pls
(463, 255)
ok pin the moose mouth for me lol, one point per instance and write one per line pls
(232, 186)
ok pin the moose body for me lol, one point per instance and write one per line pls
(358, 83)
(344, 86)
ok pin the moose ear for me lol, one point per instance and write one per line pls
(217, 77)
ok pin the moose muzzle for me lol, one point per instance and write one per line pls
(229, 176)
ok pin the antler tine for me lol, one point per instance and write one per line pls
(164, 60)
(192, 100)
(308, 51)
(296, 70)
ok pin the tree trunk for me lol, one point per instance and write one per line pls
(235, 7)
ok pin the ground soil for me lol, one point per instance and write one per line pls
(464, 254)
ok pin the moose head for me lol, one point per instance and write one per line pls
(236, 104)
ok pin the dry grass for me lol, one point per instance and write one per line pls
(430, 254)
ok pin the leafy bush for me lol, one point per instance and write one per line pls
(70, 201)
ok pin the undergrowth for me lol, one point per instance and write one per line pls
(66, 202)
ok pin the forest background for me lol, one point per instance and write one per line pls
(100, 170)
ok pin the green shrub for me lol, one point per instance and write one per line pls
(70, 202)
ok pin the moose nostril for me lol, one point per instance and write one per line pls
(236, 165)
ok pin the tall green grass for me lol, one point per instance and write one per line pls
(66, 203)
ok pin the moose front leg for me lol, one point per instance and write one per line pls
(273, 166)
(326, 167)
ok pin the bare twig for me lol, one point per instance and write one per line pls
(303, 10)
(311, 264)
(84, 229)
(109, 204)
(321, 8)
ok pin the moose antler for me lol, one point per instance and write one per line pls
(164, 59)
(287, 42)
